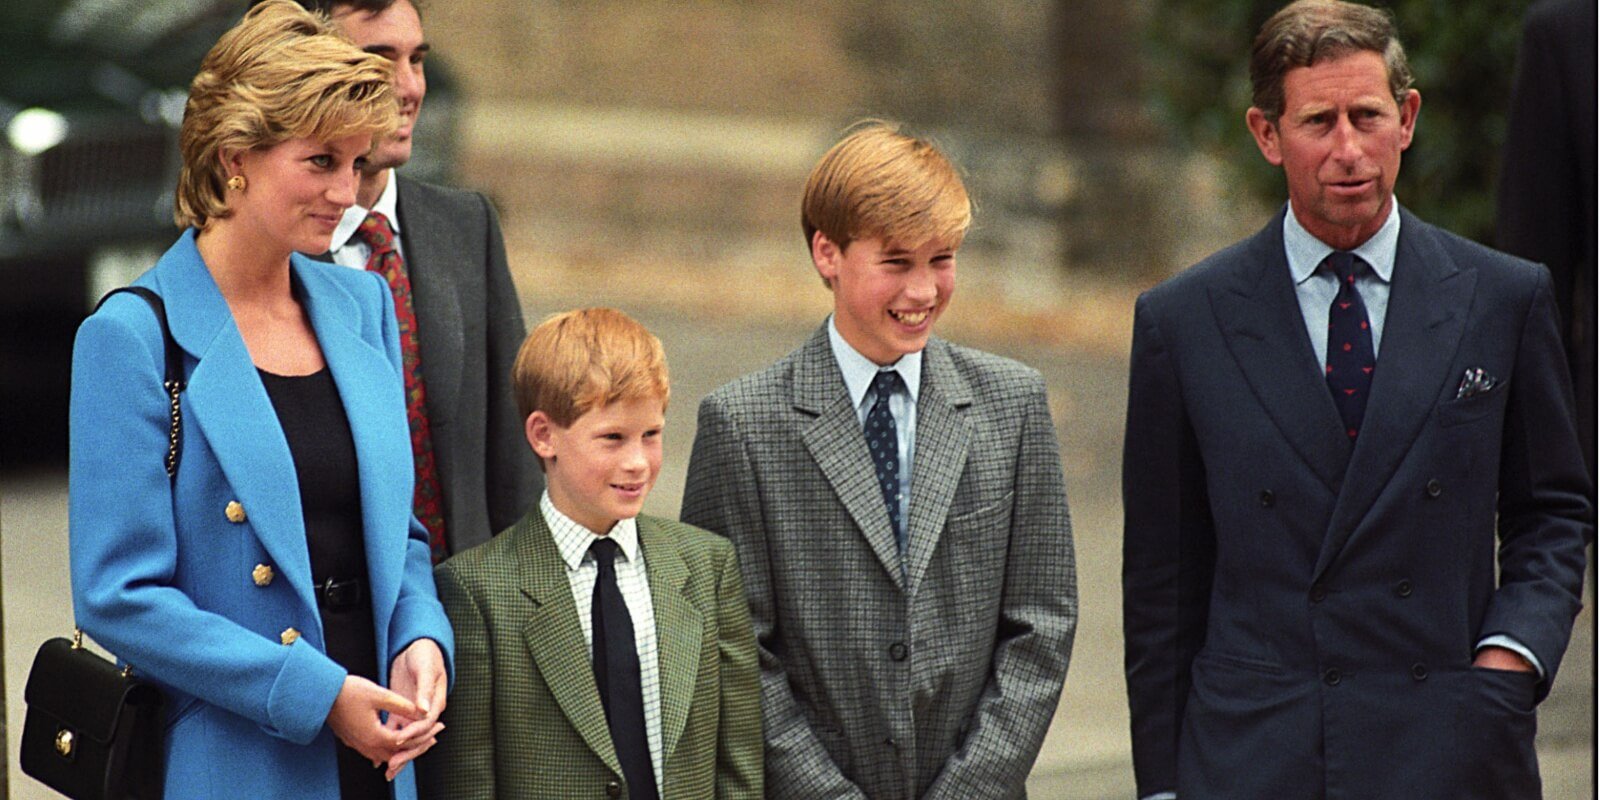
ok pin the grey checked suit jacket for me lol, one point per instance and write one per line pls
(936, 682)
(470, 326)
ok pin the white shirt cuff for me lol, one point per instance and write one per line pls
(1502, 640)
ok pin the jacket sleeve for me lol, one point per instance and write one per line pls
(739, 742)
(461, 765)
(722, 495)
(124, 552)
(513, 479)
(1546, 499)
(1168, 554)
(417, 613)
(1038, 618)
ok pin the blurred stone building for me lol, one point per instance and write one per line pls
(615, 131)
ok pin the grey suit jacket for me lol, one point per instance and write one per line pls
(938, 681)
(470, 326)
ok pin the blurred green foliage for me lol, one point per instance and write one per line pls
(1462, 54)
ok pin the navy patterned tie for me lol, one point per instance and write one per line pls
(883, 441)
(616, 674)
(1350, 357)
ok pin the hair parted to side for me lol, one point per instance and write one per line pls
(328, 7)
(878, 182)
(584, 359)
(1308, 32)
(281, 73)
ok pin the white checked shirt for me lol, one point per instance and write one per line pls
(573, 541)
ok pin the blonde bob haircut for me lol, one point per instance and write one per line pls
(281, 73)
(878, 182)
(584, 359)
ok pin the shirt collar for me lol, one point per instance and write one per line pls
(859, 370)
(573, 540)
(1306, 252)
(355, 215)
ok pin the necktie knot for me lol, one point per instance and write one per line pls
(375, 231)
(886, 383)
(604, 549)
(1345, 265)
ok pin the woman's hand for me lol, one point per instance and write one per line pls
(354, 718)
(417, 673)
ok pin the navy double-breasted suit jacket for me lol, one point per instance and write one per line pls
(1301, 612)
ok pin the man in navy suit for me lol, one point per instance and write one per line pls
(1326, 423)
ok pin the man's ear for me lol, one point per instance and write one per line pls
(825, 256)
(1265, 132)
(1409, 109)
(540, 431)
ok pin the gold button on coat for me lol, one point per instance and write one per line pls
(288, 636)
(262, 574)
(235, 511)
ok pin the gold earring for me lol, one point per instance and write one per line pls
(236, 183)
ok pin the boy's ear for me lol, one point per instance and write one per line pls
(540, 432)
(825, 255)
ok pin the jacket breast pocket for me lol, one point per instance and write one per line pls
(1471, 409)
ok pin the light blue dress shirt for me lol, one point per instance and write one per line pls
(1315, 288)
(858, 371)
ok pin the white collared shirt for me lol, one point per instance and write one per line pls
(858, 371)
(347, 248)
(573, 541)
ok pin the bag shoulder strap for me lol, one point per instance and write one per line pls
(173, 379)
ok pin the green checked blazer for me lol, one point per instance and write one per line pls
(524, 720)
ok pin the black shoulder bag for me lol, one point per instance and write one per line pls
(93, 731)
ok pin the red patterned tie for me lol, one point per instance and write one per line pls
(385, 260)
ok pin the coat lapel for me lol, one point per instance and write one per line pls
(229, 404)
(839, 448)
(555, 639)
(1428, 304)
(1264, 330)
(372, 393)
(940, 455)
(430, 239)
(679, 632)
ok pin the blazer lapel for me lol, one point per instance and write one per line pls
(432, 240)
(940, 455)
(229, 404)
(1264, 330)
(555, 639)
(372, 394)
(839, 448)
(1428, 304)
(679, 632)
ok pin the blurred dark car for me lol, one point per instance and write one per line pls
(91, 98)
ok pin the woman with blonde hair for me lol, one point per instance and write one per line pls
(276, 582)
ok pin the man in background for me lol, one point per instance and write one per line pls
(442, 253)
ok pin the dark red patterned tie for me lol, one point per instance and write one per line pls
(1350, 357)
(385, 260)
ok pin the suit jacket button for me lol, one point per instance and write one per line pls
(1267, 498)
(234, 511)
(1419, 672)
(613, 789)
(262, 575)
(1318, 593)
(897, 651)
(288, 636)
(1434, 487)
(1403, 588)
(1332, 677)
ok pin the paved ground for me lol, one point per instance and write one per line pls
(1085, 756)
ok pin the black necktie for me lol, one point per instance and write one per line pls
(616, 673)
(1350, 357)
(883, 442)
